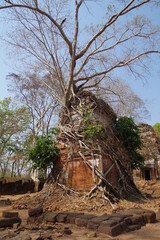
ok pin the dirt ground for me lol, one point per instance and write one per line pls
(53, 198)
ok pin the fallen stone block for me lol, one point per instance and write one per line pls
(7, 214)
(128, 220)
(82, 220)
(137, 220)
(34, 212)
(132, 228)
(123, 225)
(35, 220)
(8, 222)
(50, 217)
(136, 211)
(5, 202)
(61, 217)
(92, 225)
(110, 230)
(71, 216)
(111, 222)
(100, 219)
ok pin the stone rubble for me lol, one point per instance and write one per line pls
(50, 225)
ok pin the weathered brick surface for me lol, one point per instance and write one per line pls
(100, 219)
(110, 230)
(135, 211)
(33, 212)
(61, 217)
(132, 228)
(50, 217)
(8, 222)
(111, 224)
(72, 216)
(123, 225)
(128, 220)
(137, 219)
(92, 225)
(7, 214)
(82, 220)
(35, 220)
(5, 202)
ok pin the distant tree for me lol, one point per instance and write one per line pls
(14, 123)
(156, 128)
(123, 100)
(128, 131)
(31, 91)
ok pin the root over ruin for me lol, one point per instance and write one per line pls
(91, 155)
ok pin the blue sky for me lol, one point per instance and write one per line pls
(148, 90)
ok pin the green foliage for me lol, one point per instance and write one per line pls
(156, 128)
(44, 153)
(14, 122)
(90, 128)
(128, 131)
(53, 132)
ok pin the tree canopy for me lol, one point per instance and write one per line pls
(51, 35)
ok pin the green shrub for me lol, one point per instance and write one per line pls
(128, 132)
(44, 153)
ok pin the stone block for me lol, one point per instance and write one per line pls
(61, 217)
(128, 220)
(50, 217)
(132, 228)
(81, 222)
(111, 222)
(5, 202)
(100, 219)
(92, 225)
(71, 216)
(35, 220)
(34, 212)
(8, 222)
(123, 225)
(7, 214)
(112, 231)
(136, 211)
(137, 220)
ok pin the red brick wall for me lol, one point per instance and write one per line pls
(76, 174)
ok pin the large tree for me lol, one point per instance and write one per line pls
(54, 36)
(80, 56)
